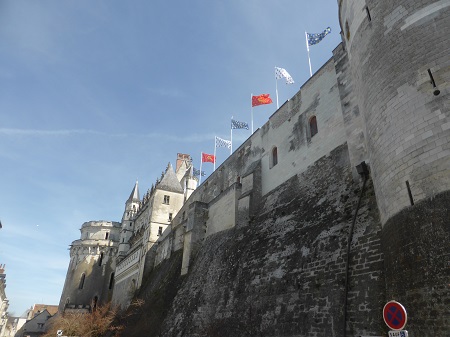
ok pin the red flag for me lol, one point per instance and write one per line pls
(208, 158)
(261, 99)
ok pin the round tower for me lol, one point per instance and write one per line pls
(90, 276)
(399, 58)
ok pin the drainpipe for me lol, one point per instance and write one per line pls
(363, 171)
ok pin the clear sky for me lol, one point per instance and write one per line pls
(96, 94)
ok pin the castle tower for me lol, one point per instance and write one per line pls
(90, 276)
(185, 174)
(132, 206)
(399, 58)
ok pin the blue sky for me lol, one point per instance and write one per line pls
(97, 94)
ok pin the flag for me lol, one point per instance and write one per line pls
(208, 158)
(223, 143)
(261, 99)
(197, 172)
(238, 125)
(316, 38)
(281, 72)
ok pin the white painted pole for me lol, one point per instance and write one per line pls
(201, 162)
(309, 59)
(251, 109)
(231, 138)
(215, 153)
(276, 86)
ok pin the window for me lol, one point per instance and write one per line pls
(100, 259)
(81, 285)
(111, 281)
(166, 199)
(106, 235)
(160, 229)
(170, 216)
(313, 126)
(273, 160)
(40, 325)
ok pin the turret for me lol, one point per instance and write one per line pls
(90, 276)
(132, 206)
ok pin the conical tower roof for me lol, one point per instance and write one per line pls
(170, 181)
(134, 196)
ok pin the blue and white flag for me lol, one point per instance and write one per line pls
(316, 38)
(238, 125)
(282, 73)
(197, 172)
(223, 143)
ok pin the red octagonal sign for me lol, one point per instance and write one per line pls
(394, 315)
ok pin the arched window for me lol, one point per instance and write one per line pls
(100, 259)
(81, 285)
(273, 157)
(313, 126)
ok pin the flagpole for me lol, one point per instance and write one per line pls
(276, 87)
(309, 59)
(231, 138)
(215, 153)
(201, 162)
(251, 109)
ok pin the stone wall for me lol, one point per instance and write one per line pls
(283, 274)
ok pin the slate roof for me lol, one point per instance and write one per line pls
(170, 181)
(134, 196)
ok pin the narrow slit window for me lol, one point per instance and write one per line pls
(160, 230)
(274, 157)
(111, 281)
(100, 259)
(81, 285)
(313, 126)
(368, 14)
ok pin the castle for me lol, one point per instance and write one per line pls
(339, 203)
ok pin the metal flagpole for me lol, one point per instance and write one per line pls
(201, 162)
(309, 59)
(231, 138)
(251, 109)
(215, 153)
(276, 86)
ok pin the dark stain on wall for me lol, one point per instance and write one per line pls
(417, 259)
(298, 137)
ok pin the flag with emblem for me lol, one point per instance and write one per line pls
(208, 158)
(261, 99)
(316, 38)
(238, 125)
(282, 73)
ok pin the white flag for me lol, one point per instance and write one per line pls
(281, 72)
(223, 143)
